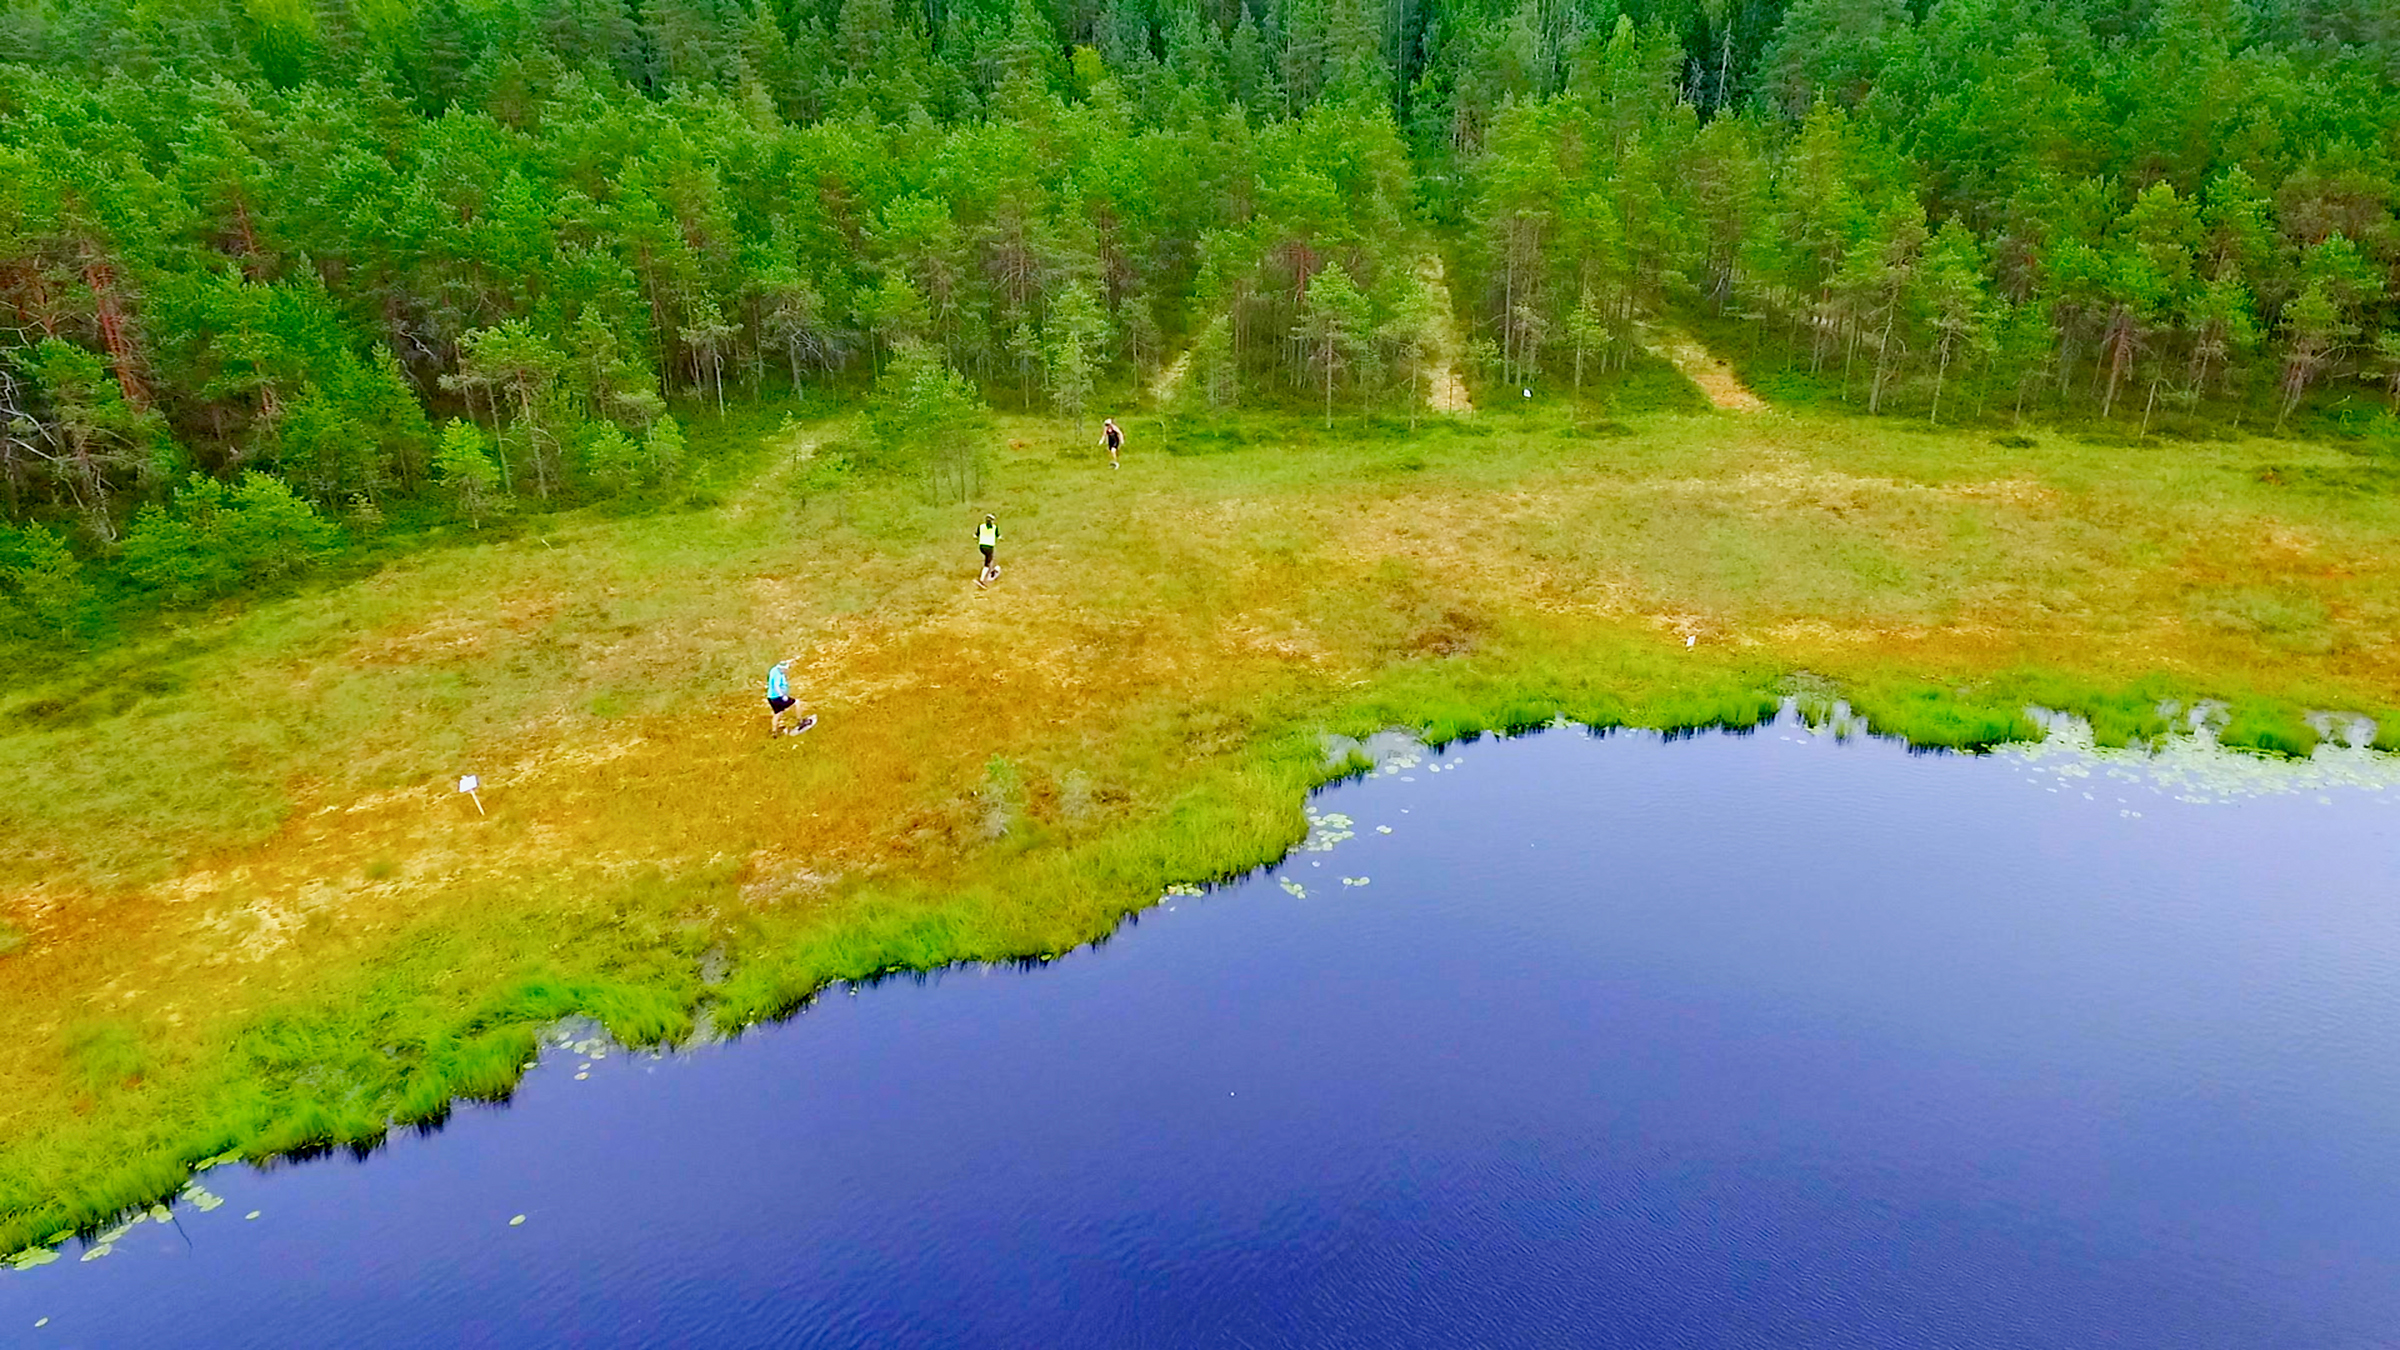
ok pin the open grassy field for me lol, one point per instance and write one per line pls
(242, 908)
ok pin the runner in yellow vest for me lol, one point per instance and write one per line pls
(987, 538)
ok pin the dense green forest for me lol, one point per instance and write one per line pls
(281, 273)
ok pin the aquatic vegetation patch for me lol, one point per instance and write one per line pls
(1327, 830)
(2195, 766)
(2134, 715)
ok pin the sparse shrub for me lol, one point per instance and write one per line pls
(214, 539)
(610, 458)
(825, 474)
(362, 515)
(997, 800)
(41, 583)
(1075, 798)
(467, 473)
(662, 450)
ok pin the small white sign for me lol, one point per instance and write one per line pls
(469, 783)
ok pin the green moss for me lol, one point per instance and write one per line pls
(2387, 732)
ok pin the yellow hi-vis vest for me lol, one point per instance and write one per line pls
(987, 534)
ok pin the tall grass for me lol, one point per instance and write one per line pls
(2270, 727)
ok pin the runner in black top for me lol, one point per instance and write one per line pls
(1114, 438)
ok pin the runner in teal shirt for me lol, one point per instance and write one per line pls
(779, 695)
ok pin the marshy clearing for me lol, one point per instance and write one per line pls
(245, 907)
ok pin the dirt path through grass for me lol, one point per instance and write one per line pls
(1711, 374)
(1169, 378)
(1445, 392)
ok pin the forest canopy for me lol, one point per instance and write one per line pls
(291, 263)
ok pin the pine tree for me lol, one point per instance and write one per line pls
(1335, 321)
(1074, 334)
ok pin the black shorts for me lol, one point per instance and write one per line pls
(987, 553)
(778, 704)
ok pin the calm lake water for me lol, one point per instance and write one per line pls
(1732, 1041)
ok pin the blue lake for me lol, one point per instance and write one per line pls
(1730, 1041)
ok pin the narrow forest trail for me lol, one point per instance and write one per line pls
(1704, 368)
(1445, 392)
(1169, 377)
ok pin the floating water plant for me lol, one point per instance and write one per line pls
(2195, 766)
